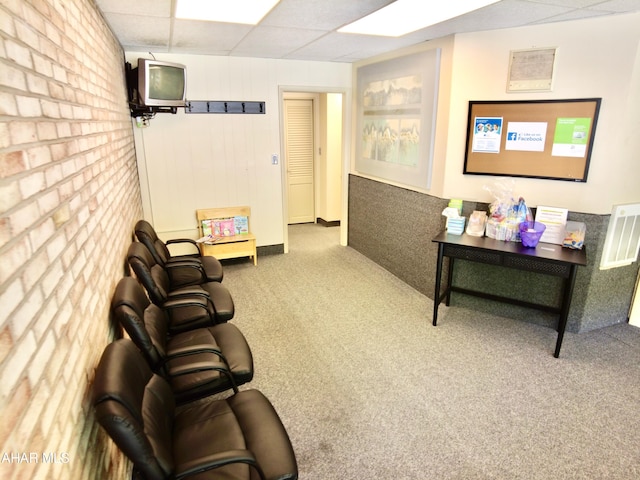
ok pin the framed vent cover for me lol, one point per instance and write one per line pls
(531, 70)
(622, 242)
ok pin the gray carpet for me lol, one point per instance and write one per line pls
(367, 388)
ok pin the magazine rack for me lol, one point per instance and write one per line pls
(231, 246)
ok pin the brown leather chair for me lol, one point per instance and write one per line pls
(188, 307)
(240, 437)
(211, 268)
(196, 363)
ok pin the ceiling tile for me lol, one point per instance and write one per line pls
(306, 29)
(275, 42)
(137, 30)
(320, 15)
(199, 37)
(150, 8)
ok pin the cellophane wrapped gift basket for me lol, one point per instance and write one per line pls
(506, 213)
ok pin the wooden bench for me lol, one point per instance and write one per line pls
(233, 246)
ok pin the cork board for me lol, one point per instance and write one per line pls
(549, 139)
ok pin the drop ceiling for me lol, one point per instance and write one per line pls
(306, 29)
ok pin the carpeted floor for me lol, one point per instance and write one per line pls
(367, 388)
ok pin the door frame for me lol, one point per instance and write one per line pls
(346, 154)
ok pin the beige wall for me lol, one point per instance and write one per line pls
(69, 196)
(190, 161)
(474, 66)
(330, 158)
(584, 69)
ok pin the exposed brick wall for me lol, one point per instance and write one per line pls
(69, 197)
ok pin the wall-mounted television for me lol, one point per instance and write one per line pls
(159, 84)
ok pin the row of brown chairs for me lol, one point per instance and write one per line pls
(161, 393)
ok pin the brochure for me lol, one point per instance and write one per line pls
(555, 219)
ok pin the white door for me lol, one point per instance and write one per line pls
(299, 151)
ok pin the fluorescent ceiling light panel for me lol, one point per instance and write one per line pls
(406, 16)
(229, 11)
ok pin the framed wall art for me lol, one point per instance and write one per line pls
(550, 139)
(396, 118)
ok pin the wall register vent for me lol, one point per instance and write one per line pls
(622, 242)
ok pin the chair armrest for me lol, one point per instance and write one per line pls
(217, 460)
(203, 366)
(188, 291)
(187, 301)
(197, 367)
(193, 349)
(191, 292)
(174, 241)
(197, 266)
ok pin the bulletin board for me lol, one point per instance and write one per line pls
(549, 139)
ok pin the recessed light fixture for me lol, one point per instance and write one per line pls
(229, 11)
(406, 16)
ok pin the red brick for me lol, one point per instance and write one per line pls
(12, 163)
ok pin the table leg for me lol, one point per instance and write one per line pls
(449, 280)
(564, 311)
(436, 295)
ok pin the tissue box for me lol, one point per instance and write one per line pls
(455, 226)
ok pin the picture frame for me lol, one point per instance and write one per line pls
(396, 118)
(546, 139)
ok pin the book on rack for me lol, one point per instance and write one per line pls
(223, 227)
(241, 224)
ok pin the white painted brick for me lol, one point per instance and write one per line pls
(22, 132)
(51, 278)
(8, 104)
(14, 258)
(60, 74)
(24, 315)
(44, 321)
(9, 197)
(34, 268)
(6, 25)
(46, 131)
(53, 175)
(38, 156)
(42, 65)
(64, 128)
(70, 369)
(10, 298)
(28, 423)
(50, 109)
(33, 18)
(48, 202)
(32, 184)
(78, 265)
(17, 363)
(65, 288)
(23, 218)
(55, 246)
(13, 77)
(65, 313)
(28, 106)
(19, 54)
(57, 92)
(92, 177)
(37, 84)
(41, 358)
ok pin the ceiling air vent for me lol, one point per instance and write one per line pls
(623, 237)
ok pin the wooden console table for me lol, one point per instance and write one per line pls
(545, 258)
